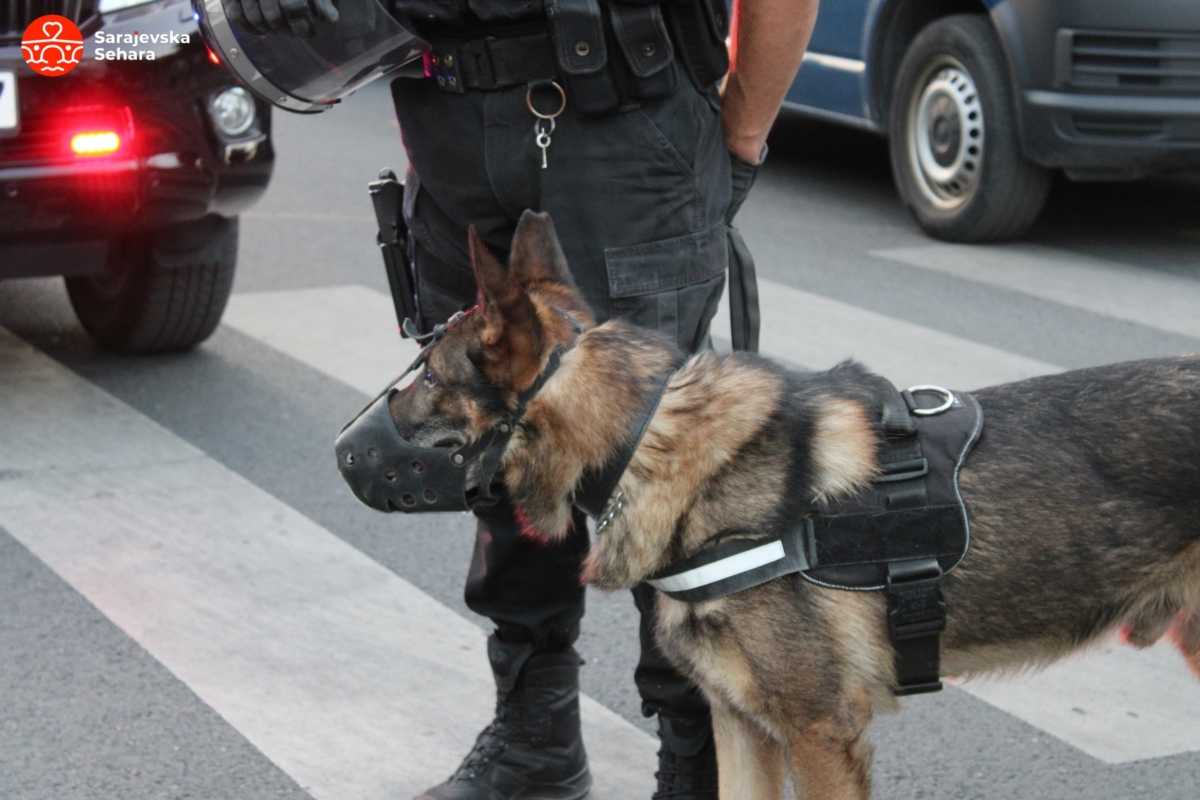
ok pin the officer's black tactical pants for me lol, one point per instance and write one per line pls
(639, 199)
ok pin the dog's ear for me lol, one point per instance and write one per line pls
(511, 331)
(497, 295)
(537, 257)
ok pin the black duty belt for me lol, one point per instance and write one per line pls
(900, 536)
(491, 62)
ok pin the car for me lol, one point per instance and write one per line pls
(127, 172)
(982, 100)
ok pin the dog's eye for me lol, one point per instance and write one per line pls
(430, 381)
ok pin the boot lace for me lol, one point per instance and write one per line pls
(493, 740)
(685, 777)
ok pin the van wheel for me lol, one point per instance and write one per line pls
(160, 292)
(953, 136)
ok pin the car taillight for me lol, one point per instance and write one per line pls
(94, 132)
(95, 143)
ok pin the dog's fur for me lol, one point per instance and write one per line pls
(1084, 496)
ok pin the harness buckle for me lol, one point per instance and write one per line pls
(916, 619)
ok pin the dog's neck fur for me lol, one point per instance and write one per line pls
(714, 407)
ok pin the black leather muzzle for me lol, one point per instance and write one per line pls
(390, 473)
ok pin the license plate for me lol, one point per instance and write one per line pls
(8, 101)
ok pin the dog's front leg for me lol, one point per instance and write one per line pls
(751, 764)
(826, 767)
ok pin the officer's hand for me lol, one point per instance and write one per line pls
(297, 16)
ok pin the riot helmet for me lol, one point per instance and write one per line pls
(307, 64)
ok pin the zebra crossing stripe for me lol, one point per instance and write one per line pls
(816, 331)
(1147, 297)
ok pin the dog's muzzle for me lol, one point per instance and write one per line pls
(390, 473)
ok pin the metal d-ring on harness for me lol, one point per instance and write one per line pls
(900, 536)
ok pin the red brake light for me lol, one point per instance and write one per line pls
(212, 57)
(95, 132)
(95, 143)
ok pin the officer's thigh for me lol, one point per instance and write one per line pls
(639, 199)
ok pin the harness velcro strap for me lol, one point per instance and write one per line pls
(732, 566)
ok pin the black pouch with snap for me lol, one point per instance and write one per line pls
(641, 32)
(577, 27)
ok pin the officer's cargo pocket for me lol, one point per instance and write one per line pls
(670, 285)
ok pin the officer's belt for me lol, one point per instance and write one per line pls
(900, 536)
(491, 62)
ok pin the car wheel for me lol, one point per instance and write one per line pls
(160, 292)
(954, 143)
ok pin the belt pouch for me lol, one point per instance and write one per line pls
(577, 28)
(641, 33)
(699, 28)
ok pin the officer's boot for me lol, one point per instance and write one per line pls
(687, 759)
(533, 749)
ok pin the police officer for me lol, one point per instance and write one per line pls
(607, 114)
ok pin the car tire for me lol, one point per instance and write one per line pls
(954, 144)
(160, 292)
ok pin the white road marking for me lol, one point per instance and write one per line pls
(346, 676)
(818, 332)
(1156, 299)
(1116, 704)
(346, 332)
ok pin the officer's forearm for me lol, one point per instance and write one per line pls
(769, 38)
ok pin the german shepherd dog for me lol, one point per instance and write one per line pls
(1083, 493)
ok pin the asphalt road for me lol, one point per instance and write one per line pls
(154, 647)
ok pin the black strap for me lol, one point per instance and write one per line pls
(597, 487)
(916, 619)
(492, 62)
(743, 295)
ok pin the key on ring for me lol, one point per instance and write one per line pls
(543, 126)
(542, 129)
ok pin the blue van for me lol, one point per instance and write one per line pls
(981, 99)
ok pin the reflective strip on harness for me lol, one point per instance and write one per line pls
(720, 570)
(734, 566)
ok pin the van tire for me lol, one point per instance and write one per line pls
(954, 142)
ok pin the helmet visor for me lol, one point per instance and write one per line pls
(310, 73)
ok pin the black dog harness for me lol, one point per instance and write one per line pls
(899, 536)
